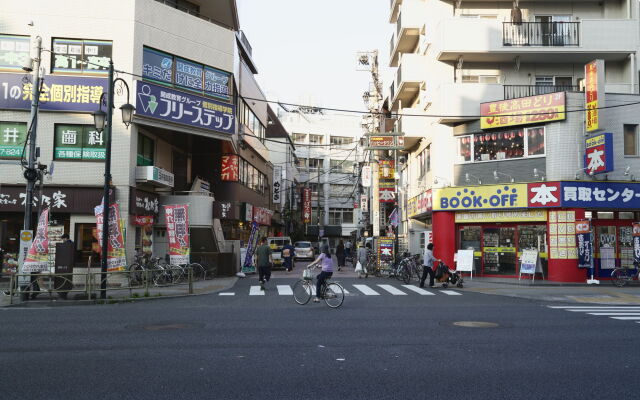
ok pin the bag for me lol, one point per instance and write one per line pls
(358, 267)
(307, 274)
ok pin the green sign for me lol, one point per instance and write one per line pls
(12, 138)
(79, 142)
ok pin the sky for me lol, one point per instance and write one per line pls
(305, 50)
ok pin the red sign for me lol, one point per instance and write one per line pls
(524, 110)
(381, 141)
(262, 216)
(306, 205)
(387, 195)
(116, 258)
(142, 220)
(582, 227)
(177, 218)
(37, 259)
(544, 194)
(229, 171)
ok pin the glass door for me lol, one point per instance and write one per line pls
(499, 250)
(470, 240)
(606, 237)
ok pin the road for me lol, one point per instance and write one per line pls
(384, 346)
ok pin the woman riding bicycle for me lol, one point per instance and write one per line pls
(327, 270)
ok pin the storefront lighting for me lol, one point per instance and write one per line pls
(99, 118)
(127, 114)
(468, 176)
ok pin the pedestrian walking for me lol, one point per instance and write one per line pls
(327, 270)
(264, 256)
(287, 254)
(347, 248)
(340, 255)
(428, 265)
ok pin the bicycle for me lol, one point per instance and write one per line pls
(620, 276)
(331, 292)
(408, 268)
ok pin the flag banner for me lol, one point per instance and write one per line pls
(116, 255)
(177, 218)
(636, 244)
(247, 265)
(37, 259)
(393, 217)
(583, 238)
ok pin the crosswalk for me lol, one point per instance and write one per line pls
(350, 290)
(622, 313)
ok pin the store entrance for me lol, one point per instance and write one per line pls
(499, 250)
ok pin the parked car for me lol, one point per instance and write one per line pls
(276, 244)
(304, 250)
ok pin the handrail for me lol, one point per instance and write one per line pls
(547, 34)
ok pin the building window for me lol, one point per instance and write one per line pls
(341, 190)
(12, 138)
(314, 189)
(339, 216)
(424, 161)
(250, 120)
(14, 52)
(631, 140)
(342, 166)
(78, 56)
(316, 163)
(79, 142)
(315, 139)
(480, 79)
(340, 140)
(146, 147)
(301, 162)
(501, 145)
(299, 137)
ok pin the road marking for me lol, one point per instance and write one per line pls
(621, 307)
(366, 290)
(418, 290)
(285, 290)
(614, 313)
(451, 293)
(394, 291)
(255, 291)
(227, 294)
(626, 318)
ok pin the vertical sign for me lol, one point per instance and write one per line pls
(277, 184)
(37, 259)
(366, 176)
(599, 154)
(177, 218)
(636, 243)
(583, 237)
(116, 259)
(306, 205)
(364, 203)
(594, 93)
(229, 171)
(247, 265)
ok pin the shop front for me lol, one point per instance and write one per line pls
(419, 218)
(143, 208)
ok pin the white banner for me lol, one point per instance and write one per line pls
(366, 176)
(277, 184)
(364, 203)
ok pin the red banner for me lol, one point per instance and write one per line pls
(116, 257)
(142, 220)
(262, 216)
(37, 259)
(229, 171)
(177, 218)
(306, 205)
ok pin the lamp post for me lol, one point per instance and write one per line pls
(102, 120)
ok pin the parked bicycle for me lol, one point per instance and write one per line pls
(409, 267)
(622, 275)
(331, 292)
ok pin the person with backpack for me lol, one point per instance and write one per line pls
(287, 254)
(264, 260)
(428, 265)
(324, 259)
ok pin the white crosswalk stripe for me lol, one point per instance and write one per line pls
(227, 294)
(394, 291)
(366, 290)
(371, 289)
(419, 290)
(451, 293)
(285, 290)
(623, 313)
(255, 291)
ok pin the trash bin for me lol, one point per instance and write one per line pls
(65, 259)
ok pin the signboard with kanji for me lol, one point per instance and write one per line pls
(229, 171)
(79, 142)
(594, 93)
(522, 111)
(177, 218)
(12, 138)
(306, 205)
(14, 52)
(381, 141)
(599, 154)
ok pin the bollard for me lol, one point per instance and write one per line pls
(11, 282)
(146, 282)
(190, 270)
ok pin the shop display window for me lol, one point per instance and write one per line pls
(625, 243)
(501, 145)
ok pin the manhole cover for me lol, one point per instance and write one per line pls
(475, 324)
(165, 327)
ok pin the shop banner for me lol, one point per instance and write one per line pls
(262, 216)
(366, 176)
(598, 157)
(594, 92)
(142, 220)
(229, 168)
(385, 251)
(583, 238)
(73, 200)
(501, 216)
(177, 218)
(306, 205)
(37, 259)
(610, 195)
(522, 111)
(116, 257)
(277, 184)
(636, 243)
(420, 204)
(364, 203)
(170, 105)
(59, 93)
(247, 265)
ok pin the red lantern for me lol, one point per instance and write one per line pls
(512, 135)
(475, 139)
(520, 134)
(494, 136)
(487, 137)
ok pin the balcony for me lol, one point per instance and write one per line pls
(515, 91)
(574, 42)
(410, 76)
(462, 100)
(395, 10)
(409, 26)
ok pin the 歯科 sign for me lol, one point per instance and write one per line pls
(183, 108)
(598, 156)
(594, 93)
(522, 111)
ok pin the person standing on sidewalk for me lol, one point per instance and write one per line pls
(340, 254)
(347, 248)
(264, 256)
(428, 265)
(287, 254)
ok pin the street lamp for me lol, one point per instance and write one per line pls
(101, 122)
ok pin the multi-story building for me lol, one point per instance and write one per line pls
(327, 152)
(451, 56)
(194, 139)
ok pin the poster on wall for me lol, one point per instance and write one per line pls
(636, 243)
(177, 219)
(583, 239)
(37, 259)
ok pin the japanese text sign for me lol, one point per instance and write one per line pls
(522, 111)
(277, 184)
(419, 204)
(177, 220)
(79, 142)
(306, 205)
(480, 197)
(116, 258)
(364, 203)
(381, 141)
(37, 259)
(14, 52)
(59, 93)
(636, 242)
(583, 239)
(184, 108)
(262, 215)
(573, 194)
(594, 93)
(229, 168)
(59, 199)
(599, 154)
(12, 138)
(366, 176)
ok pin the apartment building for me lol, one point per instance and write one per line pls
(327, 153)
(194, 138)
(453, 56)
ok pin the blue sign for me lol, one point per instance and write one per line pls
(614, 195)
(584, 250)
(184, 108)
(59, 93)
(217, 83)
(598, 157)
(188, 74)
(157, 66)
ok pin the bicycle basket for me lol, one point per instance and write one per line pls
(307, 274)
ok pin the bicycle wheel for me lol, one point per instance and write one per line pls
(176, 273)
(620, 277)
(199, 272)
(333, 295)
(136, 274)
(302, 292)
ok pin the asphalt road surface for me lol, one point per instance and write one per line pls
(456, 345)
